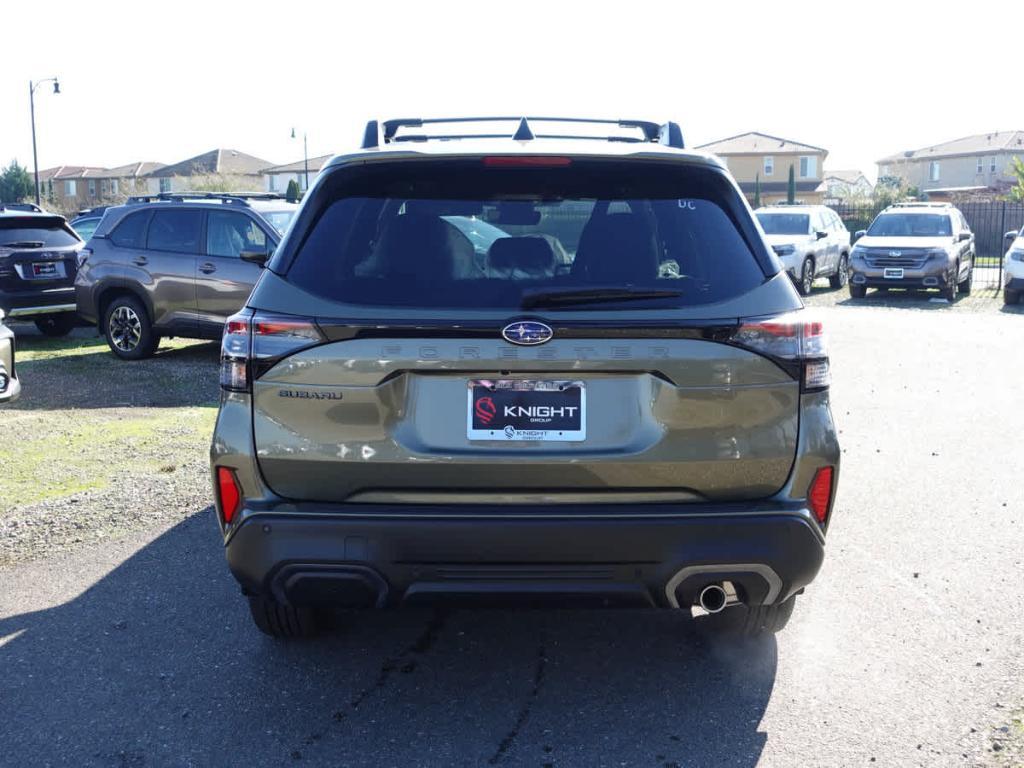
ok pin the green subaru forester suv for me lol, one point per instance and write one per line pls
(521, 360)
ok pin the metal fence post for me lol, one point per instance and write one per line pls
(1002, 231)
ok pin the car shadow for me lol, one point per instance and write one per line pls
(79, 371)
(899, 298)
(157, 663)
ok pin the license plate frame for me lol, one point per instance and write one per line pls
(893, 273)
(47, 270)
(544, 410)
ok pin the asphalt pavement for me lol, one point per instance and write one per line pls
(907, 650)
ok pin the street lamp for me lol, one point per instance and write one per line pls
(305, 158)
(32, 108)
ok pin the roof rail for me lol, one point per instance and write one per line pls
(921, 204)
(29, 207)
(228, 198)
(377, 134)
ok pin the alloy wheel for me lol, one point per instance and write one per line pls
(125, 329)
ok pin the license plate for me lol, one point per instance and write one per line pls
(526, 410)
(46, 269)
(893, 273)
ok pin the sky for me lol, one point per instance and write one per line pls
(164, 82)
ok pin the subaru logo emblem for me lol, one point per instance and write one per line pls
(895, 254)
(527, 333)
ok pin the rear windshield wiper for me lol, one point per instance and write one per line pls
(24, 244)
(592, 295)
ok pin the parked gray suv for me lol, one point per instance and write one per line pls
(175, 265)
(402, 422)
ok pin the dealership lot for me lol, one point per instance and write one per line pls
(130, 646)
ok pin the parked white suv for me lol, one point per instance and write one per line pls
(811, 241)
(1013, 268)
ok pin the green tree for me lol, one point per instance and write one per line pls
(791, 187)
(757, 191)
(292, 194)
(16, 184)
(1017, 191)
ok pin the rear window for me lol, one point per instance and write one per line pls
(785, 223)
(175, 230)
(465, 235)
(279, 220)
(911, 225)
(25, 233)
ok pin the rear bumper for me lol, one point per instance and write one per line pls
(377, 555)
(32, 303)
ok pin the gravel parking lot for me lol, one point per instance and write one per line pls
(124, 641)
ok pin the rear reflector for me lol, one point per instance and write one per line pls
(526, 161)
(820, 494)
(229, 493)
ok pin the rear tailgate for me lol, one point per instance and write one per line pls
(387, 420)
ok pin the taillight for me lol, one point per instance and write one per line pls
(229, 495)
(793, 340)
(819, 496)
(254, 341)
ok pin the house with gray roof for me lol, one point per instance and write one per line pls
(217, 162)
(973, 165)
(276, 177)
(846, 185)
(71, 187)
(759, 159)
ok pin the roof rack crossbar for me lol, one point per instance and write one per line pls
(376, 133)
(229, 198)
(28, 207)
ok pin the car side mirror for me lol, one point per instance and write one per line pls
(859, 234)
(259, 258)
(821, 234)
(1008, 239)
(964, 236)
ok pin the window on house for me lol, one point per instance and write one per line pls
(992, 164)
(933, 171)
(272, 180)
(981, 166)
(808, 167)
(769, 166)
(165, 185)
(92, 187)
(113, 186)
(70, 188)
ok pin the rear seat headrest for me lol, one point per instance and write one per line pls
(527, 254)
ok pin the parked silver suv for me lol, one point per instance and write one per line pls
(644, 423)
(175, 265)
(811, 241)
(914, 245)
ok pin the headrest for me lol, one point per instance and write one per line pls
(527, 254)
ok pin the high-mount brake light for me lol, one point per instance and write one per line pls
(254, 341)
(819, 495)
(794, 339)
(526, 161)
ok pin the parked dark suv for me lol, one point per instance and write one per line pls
(646, 424)
(175, 265)
(38, 261)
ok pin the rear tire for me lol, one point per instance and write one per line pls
(858, 291)
(1010, 297)
(55, 326)
(128, 330)
(752, 621)
(282, 621)
(839, 279)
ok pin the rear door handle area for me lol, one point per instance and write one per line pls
(140, 260)
(208, 268)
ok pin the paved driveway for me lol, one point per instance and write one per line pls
(909, 650)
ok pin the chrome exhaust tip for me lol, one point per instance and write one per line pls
(712, 598)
